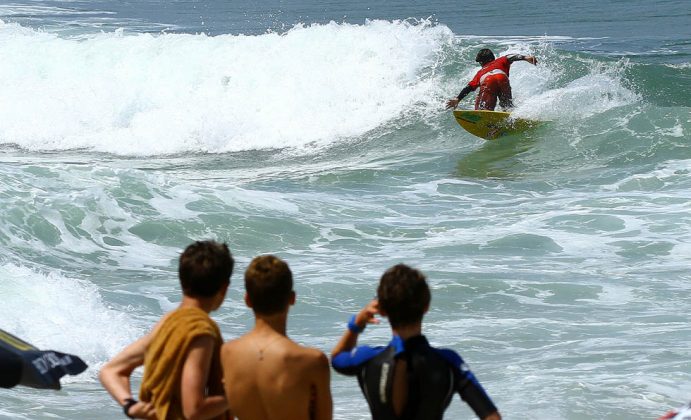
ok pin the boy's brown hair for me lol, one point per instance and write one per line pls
(403, 295)
(269, 284)
(205, 267)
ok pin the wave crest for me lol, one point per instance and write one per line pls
(144, 94)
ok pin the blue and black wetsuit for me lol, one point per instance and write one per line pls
(433, 377)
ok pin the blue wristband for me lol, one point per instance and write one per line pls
(353, 327)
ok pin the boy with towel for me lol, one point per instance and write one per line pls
(267, 375)
(182, 372)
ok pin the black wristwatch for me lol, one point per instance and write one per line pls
(129, 402)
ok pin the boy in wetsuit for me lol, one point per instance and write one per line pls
(408, 379)
(493, 81)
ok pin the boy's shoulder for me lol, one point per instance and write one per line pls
(232, 344)
(309, 356)
(449, 355)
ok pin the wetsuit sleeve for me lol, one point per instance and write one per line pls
(466, 90)
(515, 57)
(467, 385)
(351, 362)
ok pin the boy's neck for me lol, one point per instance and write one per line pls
(408, 331)
(274, 322)
(205, 304)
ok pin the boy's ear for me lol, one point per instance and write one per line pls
(221, 294)
(248, 302)
(291, 301)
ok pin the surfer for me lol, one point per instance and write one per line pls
(181, 355)
(266, 374)
(493, 81)
(408, 379)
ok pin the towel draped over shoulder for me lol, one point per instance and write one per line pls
(166, 355)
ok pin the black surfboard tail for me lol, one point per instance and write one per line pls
(23, 364)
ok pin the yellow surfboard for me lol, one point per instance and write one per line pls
(491, 125)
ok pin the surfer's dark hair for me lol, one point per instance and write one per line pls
(269, 284)
(403, 295)
(484, 56)
(205, 268)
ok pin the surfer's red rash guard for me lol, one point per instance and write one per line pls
(493, 81)
(434, 375)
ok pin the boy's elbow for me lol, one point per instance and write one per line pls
(105, 374)
(192, 413)
(192, 416)
(112, 374)
(333, 360)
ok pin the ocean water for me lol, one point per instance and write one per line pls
(559, 261)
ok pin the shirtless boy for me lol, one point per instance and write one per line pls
(268, 376)
(181, 355)
(408, 379)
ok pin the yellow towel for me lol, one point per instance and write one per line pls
(165, 356)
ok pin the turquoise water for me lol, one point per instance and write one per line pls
(559, 260)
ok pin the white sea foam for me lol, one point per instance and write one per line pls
(10, 10)
(679, 65)
(594, 93)
(52, 311)
(142, 94)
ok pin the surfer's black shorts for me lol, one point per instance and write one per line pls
(434, 375)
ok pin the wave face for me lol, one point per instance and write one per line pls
(146, 94)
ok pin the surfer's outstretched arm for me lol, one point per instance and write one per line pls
(453, 103)
(520, 57)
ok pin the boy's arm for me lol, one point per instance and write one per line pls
(469, 388)
(195, 374)
(322, 382)
(115, 376)
(472, 392)
(349, 338)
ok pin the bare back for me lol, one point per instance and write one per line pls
(269, 377)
